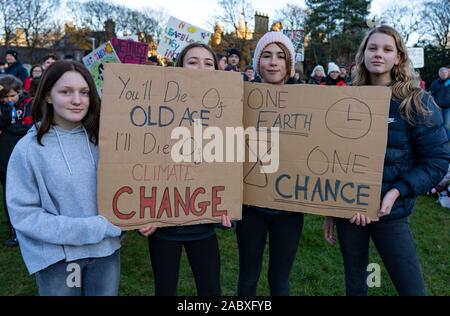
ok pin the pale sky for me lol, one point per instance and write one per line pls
(199, 12)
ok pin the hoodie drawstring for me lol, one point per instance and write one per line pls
(63, 152)
(89, 146)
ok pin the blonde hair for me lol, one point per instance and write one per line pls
(405, 86)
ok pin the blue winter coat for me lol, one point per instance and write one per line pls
(17, 70)
(440, 90)
(417, 157)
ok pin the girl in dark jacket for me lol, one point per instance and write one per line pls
(417, 157)
(274, 63)
(15, 120)
(199, 241)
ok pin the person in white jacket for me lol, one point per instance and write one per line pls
(52, 190)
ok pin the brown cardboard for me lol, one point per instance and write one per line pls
(334, 133)
(136, 160)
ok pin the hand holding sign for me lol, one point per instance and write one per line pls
(331, 155)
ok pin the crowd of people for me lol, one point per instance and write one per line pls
(48, 166)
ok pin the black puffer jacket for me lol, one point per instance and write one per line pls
(10, 134)
(417, 157)
(18, 70)
(440, 90)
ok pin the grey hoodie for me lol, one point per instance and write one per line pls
(52, 199)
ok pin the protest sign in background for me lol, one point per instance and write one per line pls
(138, 182)
(416, 55)
(332, 147)
(298, 40)
(130, 52)
(96, 60)
(178, 34)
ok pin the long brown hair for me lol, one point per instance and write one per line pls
(405, 86)
(180, 58)
(43, 113)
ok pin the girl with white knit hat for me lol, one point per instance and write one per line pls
(274, 63)
(274, 59)
(334, 78)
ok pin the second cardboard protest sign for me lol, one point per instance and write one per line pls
(332, 146)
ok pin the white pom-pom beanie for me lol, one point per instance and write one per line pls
(270, 38)
(333, 67)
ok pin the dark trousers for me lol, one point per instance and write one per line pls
(284, 232)
(204, 259)
(3, 182)
(394, 243)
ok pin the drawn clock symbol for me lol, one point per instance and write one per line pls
(349, 118)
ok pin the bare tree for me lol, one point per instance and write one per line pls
(50, 39)
(145, 24)
(10, 12)
(292, 16)
(233, 11)
(92, 14)
(436, 16)
(36, 21)
(161, 19)
(122, 17)
(405, 19)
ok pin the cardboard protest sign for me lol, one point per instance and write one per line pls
(177, 35)
(130, 52)
(298, 40)
(138, 181)
(331, 148)
(96, 60)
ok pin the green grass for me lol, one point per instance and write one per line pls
(318, 268)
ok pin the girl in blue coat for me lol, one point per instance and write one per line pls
(417, 157)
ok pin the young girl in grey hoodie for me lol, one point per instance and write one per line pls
(52, 190)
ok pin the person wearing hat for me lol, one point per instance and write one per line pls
(317, 76)
(334, 78)
(273, 63)
(15, 68)
(233, 58)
